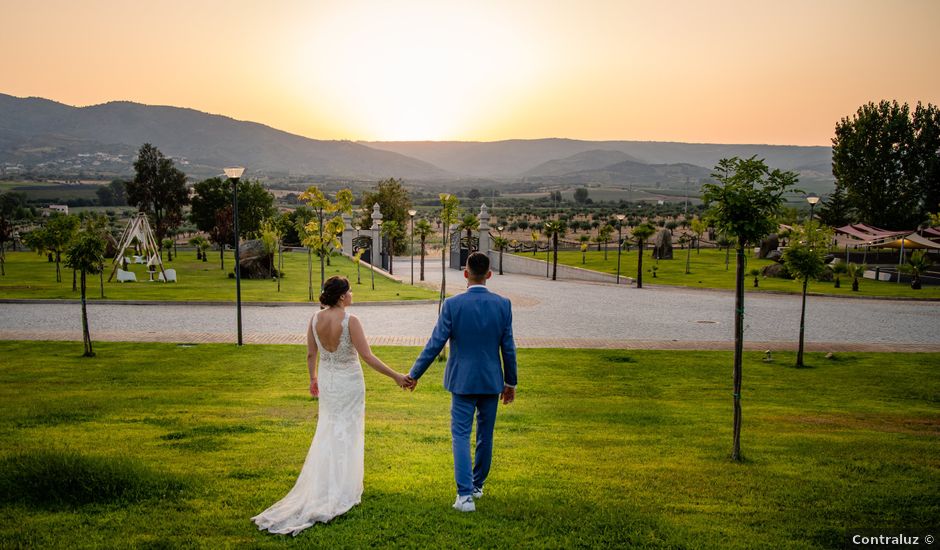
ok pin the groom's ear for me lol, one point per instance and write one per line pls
(466, 273)
(489, 274)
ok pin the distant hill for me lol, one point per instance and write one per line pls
(38, 132)
(43, 137)
(588, 160)
(636, 173)
(513, 159)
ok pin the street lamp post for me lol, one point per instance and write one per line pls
(358, 263)
(412, 213)
(234, 174)
(499, 229)
(620, 218)
(812, 199)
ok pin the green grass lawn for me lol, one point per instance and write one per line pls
(708, 271)
(30, 275)
(155, 445)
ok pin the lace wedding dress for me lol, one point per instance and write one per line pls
(330, 482)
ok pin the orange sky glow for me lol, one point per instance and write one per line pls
(755, 71)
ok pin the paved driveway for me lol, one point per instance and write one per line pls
(546, 313)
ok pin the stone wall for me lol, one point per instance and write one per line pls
(531, 266)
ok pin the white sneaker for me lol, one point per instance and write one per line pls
(477, 493)
(464, 504)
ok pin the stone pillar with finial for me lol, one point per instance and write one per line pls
(485, 241)
(376, 234)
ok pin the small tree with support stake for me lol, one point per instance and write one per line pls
(744, 204)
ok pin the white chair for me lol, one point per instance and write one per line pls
(170, 275)
(138, 259)
(126, 276)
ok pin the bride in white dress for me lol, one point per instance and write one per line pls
(330, 482)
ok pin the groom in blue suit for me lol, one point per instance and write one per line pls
(478, 324)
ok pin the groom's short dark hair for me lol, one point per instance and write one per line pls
(478, 264)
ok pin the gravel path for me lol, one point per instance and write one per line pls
(560, 313)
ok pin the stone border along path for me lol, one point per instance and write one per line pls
(564, 314)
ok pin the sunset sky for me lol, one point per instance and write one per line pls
(699, 71)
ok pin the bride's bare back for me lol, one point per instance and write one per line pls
(329, 327)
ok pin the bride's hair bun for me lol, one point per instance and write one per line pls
(333, 290)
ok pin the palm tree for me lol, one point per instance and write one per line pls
(167, 244)
(202, 244)
(500, 243)
(423, 231)
(641, 233)
(554, 229)
(392, 231)
(754, 272)
(469, 223)
(918, 264)
(838, 269)
(86, 254)
(449, 212)
(856, 272)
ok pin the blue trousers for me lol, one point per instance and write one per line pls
(462, 407)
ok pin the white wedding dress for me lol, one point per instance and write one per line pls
(330, 482)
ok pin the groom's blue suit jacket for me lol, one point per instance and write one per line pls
(479, 326)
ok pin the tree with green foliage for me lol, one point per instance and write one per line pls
(554, 230)
(10, 204)
(270, 241)
(835, 210)
(159, 189)
(393, 233)
(887, 161)
(222, 232)
(255, 205)
(54, 237)
(585, 241)
(394, 203)
(603, 235)
(581, 195)
(322, 232)
(686, 242)
(113, 194)
(917, 265)
(423, 230)
(641, 233)
(806, 258)
(167, 244)
(450, 209)
(202, 245)
(86, 255)
(744, 205)
(698, 227)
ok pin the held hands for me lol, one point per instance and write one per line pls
(508, 395)
(408, 383)
(314, 388)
